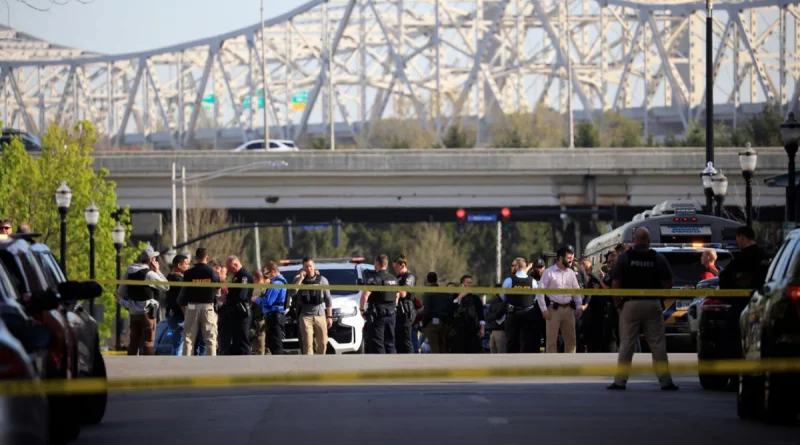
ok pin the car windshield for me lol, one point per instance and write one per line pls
(686, 266)
(51, 269)
(336, 277)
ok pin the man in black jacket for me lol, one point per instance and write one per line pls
(437, 314)
(468, 320)
(198, 305)
(180, 264)
(495, 321)
(234, 338)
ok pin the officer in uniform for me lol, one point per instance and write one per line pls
(235, 338)
(642, 268)
(406, 307)
(198, 305)
(522, 331)
(378, 308)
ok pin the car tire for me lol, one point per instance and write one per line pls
(778, 409)
(714, 382)
(749, 397)
(95, 404)
(64, 425)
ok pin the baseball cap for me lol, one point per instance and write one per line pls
(538, 263)
(147, 254)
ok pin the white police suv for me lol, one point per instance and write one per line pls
(346, 336)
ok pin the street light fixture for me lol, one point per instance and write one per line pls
(790, 133)
(748, 160)
(706, 175)
(118, 235)
(719, 185)
(63, 200)
(92, 216)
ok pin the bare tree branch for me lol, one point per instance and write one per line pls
(32, 6)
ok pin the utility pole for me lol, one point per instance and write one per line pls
(330, 88)
(174, 208)
(569, 89)
(264, 77)
(499, 252)
(184, 204)
(709, 90)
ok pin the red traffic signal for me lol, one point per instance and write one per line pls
(505, 212)
(461, 213)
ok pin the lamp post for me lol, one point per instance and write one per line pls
(719, 185)
(790, 132)
(63, 199)
(748, 160)
(118, 235)
(707, 174)
(92, 215)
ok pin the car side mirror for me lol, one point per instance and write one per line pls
(74, 290)
(40, 301)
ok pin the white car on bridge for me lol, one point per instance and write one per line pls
(275, 145)
(346, 336)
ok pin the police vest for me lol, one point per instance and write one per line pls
(141, 293)
(407, 303)
(382, 278)
(518, 300)
(311, 297)
(642, 271)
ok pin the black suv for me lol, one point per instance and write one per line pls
(770, 328)
(31, 142)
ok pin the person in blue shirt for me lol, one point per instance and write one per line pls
(272, 304)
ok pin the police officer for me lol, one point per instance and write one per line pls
(468, 320)
(642, 268)
(198, 305)
(522, 332)
(378, 308)
(235, 310)
(406, 307)
(537, 270)
(142, 301)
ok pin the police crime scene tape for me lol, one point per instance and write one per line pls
(95, 385)
(665, 293)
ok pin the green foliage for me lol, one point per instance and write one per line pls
(455, 137)
(544, 128)
(28, 185)
(320, 144)
(619, 131)
(760, 130)
(587, 135)
(400, 134)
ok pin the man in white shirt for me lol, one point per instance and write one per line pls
(562, 309)
(521, 326)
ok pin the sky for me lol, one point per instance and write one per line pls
(120, 26)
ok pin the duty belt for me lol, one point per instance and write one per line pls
(571, 304)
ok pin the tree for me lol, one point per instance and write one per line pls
(400, 134)
(28, 186)
(544, 128)
(455, 138)
(619, 131)
(588, 135)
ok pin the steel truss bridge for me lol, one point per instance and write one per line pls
(433, 61)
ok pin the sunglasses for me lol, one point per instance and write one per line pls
(5, 227)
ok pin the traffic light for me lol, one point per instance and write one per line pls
(505, 213)
(287, 234)
(461, 219)
(337, 232)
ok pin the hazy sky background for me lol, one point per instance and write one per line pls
(119, 26)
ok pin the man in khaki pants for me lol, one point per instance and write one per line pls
(198, 305)
(314, 309)
(560, 313)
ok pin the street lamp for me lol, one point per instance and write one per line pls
(118, 235)
(63, 199)
(790, 132)
(92, 215)
(707, 174)
(719, 185)
(748, 160)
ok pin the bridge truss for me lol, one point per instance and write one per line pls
(435, 61)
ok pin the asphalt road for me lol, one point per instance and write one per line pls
(564, 410)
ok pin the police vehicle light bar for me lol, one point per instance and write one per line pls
(691, 245)
(323, 260)
(685, 219)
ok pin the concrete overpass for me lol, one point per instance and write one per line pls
(397, 181)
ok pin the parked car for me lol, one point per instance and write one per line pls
(23, 419)
(31, 142)
(88, 360)
(714, 325)
(770, 328)
(49, 299)
(275, 145)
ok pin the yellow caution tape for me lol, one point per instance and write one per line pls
(94, 385)
(679, 293)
